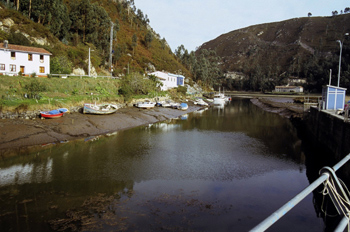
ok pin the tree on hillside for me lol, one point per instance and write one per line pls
(51, 13)
(347, 10)
(91, 22)
(134, 43)
(309, 14)
(148, 39)
(334, 13)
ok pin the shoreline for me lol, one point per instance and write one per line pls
(20, 136)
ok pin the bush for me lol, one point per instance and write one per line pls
(34, 88)
(60, 65)
(136, 84)
(182, 90)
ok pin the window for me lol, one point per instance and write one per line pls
(42, 69)
(12, 68)
(2, 66)
(13, 55)
(41, 58)
(21, 69)
(30, 57)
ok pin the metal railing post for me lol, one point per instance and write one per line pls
(294, 201)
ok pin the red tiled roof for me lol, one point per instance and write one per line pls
(20, 48)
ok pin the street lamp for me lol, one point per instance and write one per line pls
(89, 62)
(341, 48)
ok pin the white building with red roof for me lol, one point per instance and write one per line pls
(24, 59)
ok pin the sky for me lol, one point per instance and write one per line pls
(194, 22)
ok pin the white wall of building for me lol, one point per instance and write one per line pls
(169, 80)
(40, 63)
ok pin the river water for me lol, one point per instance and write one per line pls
(221, 169)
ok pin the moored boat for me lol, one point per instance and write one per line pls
(99, 109)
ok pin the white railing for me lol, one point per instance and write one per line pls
(326, 173)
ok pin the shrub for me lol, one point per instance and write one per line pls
(182, 90)
(34, 88)
(60, 65)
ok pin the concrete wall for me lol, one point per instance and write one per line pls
(330, 130)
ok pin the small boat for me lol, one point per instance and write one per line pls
(183, 106)
(200, 102)
(164, 104)
(174, 105)
(99, 109)
(54, 113)
(146, 105)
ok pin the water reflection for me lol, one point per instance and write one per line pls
(27, 173)
(220, 169)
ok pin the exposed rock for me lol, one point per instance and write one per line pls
(195, 89)
(79, 72)
(8, 22)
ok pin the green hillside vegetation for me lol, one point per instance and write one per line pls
(29, 93)
(268, 54)
(69, 28)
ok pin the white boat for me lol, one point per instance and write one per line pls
(219, 98)
(146, 105)
(164, 104)
(200, 102)
(174, 105)
(99, 109)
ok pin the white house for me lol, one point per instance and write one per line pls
(27, 60)
(169, 80)
(287, 89)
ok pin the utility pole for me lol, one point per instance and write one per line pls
(110, 48)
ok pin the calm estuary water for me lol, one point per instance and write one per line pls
(221, 169)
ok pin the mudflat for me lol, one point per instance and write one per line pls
(21, 135)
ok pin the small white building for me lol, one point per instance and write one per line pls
(27, 60)
(169, 80)
(289, 89)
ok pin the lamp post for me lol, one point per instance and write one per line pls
(89, 62)
(341, 48)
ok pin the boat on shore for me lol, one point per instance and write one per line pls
(164, 104)
(99, 109)
(146, 105)
(183, 106)
(54, 113)
(200, 102)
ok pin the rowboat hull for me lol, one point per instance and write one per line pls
(46, 114)
(146, 105)
(54, 113)
(99, 109)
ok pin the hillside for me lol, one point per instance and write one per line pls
(68, 28)
(268, 54)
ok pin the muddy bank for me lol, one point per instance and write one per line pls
(279, 105)
(19, 136)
